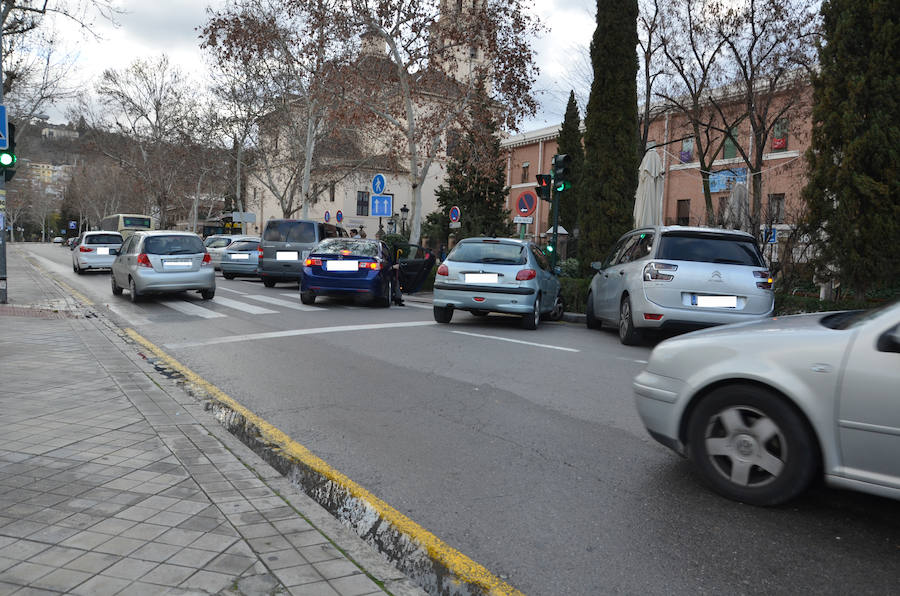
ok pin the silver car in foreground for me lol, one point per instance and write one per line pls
(161, 262)
(95, 250)
(674, 277)
(505, 275)
(764, 408)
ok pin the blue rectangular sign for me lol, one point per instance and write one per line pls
(4, 129)
(381, 206)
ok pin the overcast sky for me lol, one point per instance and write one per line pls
(151, 27)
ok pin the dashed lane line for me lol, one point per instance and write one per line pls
(517, 341)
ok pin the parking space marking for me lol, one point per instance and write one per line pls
(243, 306)
(189, 308)
(517, 341)
(294, 332)
(284, 303)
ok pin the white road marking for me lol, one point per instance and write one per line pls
(284, 303)
(131, 317)
(417, 304)
(631, 360)
(222, 288)
(189, 308)
(517, 341)
(293, 332)
(243, 306)
(296, 296)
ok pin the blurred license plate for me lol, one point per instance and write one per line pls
(341, 265)
(715, 301)
(102, 250)
(176, 264)
(240, 257)
(481, 278)
(286, 255)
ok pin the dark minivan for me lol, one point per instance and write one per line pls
(286, 243)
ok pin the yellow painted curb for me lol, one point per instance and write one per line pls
(459, 564)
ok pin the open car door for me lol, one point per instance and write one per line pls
(416, 263)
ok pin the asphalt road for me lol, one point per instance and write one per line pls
(522, 449)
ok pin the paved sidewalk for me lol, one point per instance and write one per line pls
(115, 481)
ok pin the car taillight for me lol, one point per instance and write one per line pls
(85, 249)
(767, 282)
(206, 259)
(442, 270)
(653, 271)
(143, 260)
(259, 252)
(311, 262)
(367, 265)
(526, 274)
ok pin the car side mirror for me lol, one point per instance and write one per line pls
(890, 340)
(597, 265)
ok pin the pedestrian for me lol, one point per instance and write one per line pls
(362, 232)
(354, 233)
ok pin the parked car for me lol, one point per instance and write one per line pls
(71, 243)
(157, 262)
(764, 408)
(285, 245)
(505, 275)
(217, 243)
(58, 240)
(674, 277)
(240, 258)
(95, 250)
(350, 267)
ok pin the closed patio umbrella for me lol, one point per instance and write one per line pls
(649, 194)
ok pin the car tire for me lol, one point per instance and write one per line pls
(590, 318)
(559, 309)
(531, 321)
(116, 290)
(443, 314)
(628, 335)
(269, 283)
(384, 300)
(307, 298)
(132, 289)
(208, 294)
(756, 433)
(228, 275)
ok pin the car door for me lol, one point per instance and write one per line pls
(118, 266)
(612, 280)
(416, 262)
(547, 281)
(869, 420)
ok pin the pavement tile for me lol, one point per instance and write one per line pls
(22, 528)
(298, 575)
(336, 568)
(168, 575)
(257, 530)
(144, 589)
(156, 551)
(354, 585)
(92, 562)
(137, 513)
(267, 544)
(317, 589)
(24, 573)
(7, 589)
(192, 557)
(200, 523)
(62, 580)
(280, 559)
(179, 537)
(56, 556)
(144, 531)
(22, 550)
(119, 546)
(213, 542)
(7, 563)
(130, 568)
(207, 581)
(231, 564)
(53, 534)
(113, 526)
(320, 552)
(308, 538)
(102, 585)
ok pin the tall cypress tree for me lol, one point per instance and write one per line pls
(611, 155)
(569, 142)
(853, 192)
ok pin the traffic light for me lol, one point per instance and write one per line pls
(550, 248)
(8, 155)
(543, 187)
(561, 170)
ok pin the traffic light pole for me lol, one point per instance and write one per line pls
(3, 294)
(555, 228)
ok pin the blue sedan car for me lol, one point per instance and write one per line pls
(350, 267)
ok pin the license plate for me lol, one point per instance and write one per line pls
(287, 255)
(481, 278)
(341, 265)
(102, 250)
(240, 257)
(714, 301)
(176, 264)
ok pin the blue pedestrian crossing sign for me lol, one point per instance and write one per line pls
(4, 129)
(381, 206)
(378, 184)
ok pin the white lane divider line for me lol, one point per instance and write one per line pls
(283, 303)
(517, 341)
(631, 360)
(223, 288)
(294, 332)
(189, 308)
(243, 306)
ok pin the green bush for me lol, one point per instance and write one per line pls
(574, 292)
(790, 304)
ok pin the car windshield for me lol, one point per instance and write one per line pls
(360, 248)
(103, 239)
(852, 318)
(290, 231)
(244, 246)
(709, 248)
(489, 251)
(173, 245)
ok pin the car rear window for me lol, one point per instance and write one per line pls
(361, 248)
(103, 239)
(173, 245)
(244, 246)
(488, 252)
(709, 248)
(218, 243)
(290, 231)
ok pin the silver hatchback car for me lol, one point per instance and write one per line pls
(505, 275)
(160, 262)
(679, 277)
(95, 250)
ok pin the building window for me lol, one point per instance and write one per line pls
(331, 192)
(687, 150)
(776, 208)
(362, 202)
(683, 215)
(780, 135)
(729, 149)
(525, 171)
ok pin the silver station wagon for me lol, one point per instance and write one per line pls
(95, 250)
(161, 262)
(674, 277)
(504, 275)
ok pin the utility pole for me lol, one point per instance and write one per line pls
(3, 294)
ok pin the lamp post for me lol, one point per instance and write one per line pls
(404, 213)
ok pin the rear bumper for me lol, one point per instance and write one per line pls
(323, 285)
(94, 262)
(519, 301)
(239, 268)
(153, 282)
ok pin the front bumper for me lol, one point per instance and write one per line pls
(658, 403)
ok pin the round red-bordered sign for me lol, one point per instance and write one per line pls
(454, 213)
(526, 203)
(327, 216)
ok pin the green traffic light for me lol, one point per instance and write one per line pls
(550, 248)
(7, 159)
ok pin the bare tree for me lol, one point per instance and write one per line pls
(652, 67)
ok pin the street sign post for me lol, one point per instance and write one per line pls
(381, 205)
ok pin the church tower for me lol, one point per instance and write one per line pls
(457, 39)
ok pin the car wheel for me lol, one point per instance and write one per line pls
(443, 314)
(628, 335)
(116, 290)
(559, 309)
(590, 318)
(750, 445)
(228, 275)
(307, 298)
(269, 283)
(208, 294)
(531, 321)
(133, 290)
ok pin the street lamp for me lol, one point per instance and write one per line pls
(404, 213)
